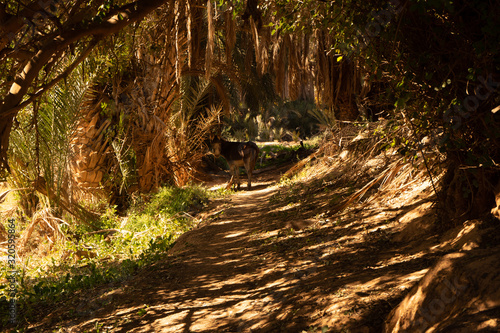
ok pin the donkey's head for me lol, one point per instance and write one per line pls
(216, 146)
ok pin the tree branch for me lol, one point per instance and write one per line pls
(41, 90)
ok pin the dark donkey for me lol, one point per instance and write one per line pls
(237, 154)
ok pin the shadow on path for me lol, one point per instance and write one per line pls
(245, 272)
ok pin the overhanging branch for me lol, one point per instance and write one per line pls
(56, 80)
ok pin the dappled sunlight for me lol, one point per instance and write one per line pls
(236, 234)
(281, 259)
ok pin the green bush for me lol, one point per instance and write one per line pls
(143, 237)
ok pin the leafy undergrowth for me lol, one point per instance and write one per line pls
(87, 259)
(276, 154)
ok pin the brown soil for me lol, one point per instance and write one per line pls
(256, 265)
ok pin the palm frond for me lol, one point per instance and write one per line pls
(41, 144)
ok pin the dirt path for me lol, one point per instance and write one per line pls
(212, 280)
(256, 266)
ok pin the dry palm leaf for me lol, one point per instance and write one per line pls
(386, 176)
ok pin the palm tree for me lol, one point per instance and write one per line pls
(41, 150)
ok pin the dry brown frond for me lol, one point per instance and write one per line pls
(388, 173)
(350, 154)
(48, 227)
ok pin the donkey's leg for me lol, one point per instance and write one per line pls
(249, 173)
(234, 171)
(231, 172)
(230, 183)
(237, 175)
(249, 166)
